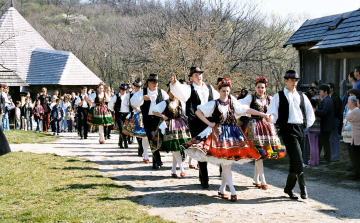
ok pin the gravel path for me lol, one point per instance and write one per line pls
(183, 199)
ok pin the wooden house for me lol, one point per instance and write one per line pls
(329, 49)
(28, 62)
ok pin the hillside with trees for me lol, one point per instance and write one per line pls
(123, 39)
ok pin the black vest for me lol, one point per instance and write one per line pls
(194, 101)
(218, 117)
(130, 107)
(146, 105)
(117, 105)
(283, 111)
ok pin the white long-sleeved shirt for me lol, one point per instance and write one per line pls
(183, 91)
(93, 96)
(138, 99)
(124, 107)
(78, 100)
(295, 115)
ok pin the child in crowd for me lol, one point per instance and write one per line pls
(18, 115)
(26, 114)
(314, 132)
(38, 115)
(70, 116)
(56, 115)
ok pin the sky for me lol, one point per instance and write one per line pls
(308, 9)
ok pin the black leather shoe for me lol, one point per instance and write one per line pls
(301, 181)
(290, 193)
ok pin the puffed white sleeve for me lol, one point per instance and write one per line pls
(183, 107)
(92, 97)
(165, 96)
(246, 100)
(112, 103)
(160, 107)
(137, 99)
(310, 115)
(273, 109)
(239, 108)
(216, 94)
(77, 101)
(180, 91)
(126, 101)
(207, 108)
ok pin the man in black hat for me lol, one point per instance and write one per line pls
(198, 93)
(120, 105)
(147, 98)
(293, 112)
(83, 106)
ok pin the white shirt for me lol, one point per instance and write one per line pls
(93, 96)
(209, 107)
(183, 91)
(137, 107)
(162, 105)
(247, 101)
(6, 99)
(295, 115)
(124, 107)
(138, 99)
(78, 100)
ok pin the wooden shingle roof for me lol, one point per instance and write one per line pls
(11, 79)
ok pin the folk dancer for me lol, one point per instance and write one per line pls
(173, 130)
(197, 93)
(121, 108)
(99, 114)
(83, 104)
(293, 112)
(222, 142)
(261, 135)
(147, 98)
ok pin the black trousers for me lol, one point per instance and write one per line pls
(324, 142)
(120, 118)
(293, 136)
(83, 126)
(356, 157)
(55, 125)
(196, 126)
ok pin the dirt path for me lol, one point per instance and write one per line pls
(183, 199)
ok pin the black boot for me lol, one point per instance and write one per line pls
(203, 174)
(140, 148)
(121, 141)
(290, 184)
(125, 141)
(301, 181)
(156, 160)
(130, 139)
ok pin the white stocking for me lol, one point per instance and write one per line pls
(226, 172)
(177, 156)
(101, 133)
(190, 159)
(223, 184)
(260, 169)
(256, 174)
(145, 144)
(174, 163)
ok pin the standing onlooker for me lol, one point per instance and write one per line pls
(313, 135)
(57, 114)
(2, 105)
(5, 117)
(70, 115)
(327, 124)
(26, 114)
(244, 93)
(56, 93)
(346, 130)
(45, 101)
(238, 93)
(38, 115)
(315, 85)
(65, 104)
(357, 76)
(334, 138)
(27, 95)
(344, 99)
(18, 115)
(354, 119)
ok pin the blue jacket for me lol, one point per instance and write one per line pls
(327, 114)
(57, 113)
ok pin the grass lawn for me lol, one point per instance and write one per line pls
(51, 188)
(19, 137)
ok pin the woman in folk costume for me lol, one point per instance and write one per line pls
(222, 142)
(134, 124)
(173, 130)
(261, 135)
(99, 114)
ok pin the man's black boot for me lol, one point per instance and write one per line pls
(301, 181)
(290, 184)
